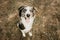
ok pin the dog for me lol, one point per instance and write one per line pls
(27, 16)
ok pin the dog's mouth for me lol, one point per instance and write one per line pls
(27, 20)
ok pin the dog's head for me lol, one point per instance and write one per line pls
(26, 11)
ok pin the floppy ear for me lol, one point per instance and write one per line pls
(34, 10)
(20, 10)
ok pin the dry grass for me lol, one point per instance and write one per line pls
(46, 25)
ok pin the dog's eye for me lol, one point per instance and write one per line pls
(24, 10)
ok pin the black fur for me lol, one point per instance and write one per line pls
(21, 26)
(20, 10)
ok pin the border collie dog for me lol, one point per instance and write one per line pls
(27, 16)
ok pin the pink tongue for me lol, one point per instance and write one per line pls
(27, 20)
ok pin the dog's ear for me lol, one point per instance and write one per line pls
(20, 8)
(35, 9)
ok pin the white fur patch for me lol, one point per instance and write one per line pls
(27, 25)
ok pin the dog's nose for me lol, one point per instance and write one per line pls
(28, 15)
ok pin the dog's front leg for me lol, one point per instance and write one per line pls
(30, 33)
(23, 33)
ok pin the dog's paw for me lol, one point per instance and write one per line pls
(24, 35)
(30, 34)
(17, 24)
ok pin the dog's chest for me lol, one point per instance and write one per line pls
(27, 25)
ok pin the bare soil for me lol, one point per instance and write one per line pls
(46, 25)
